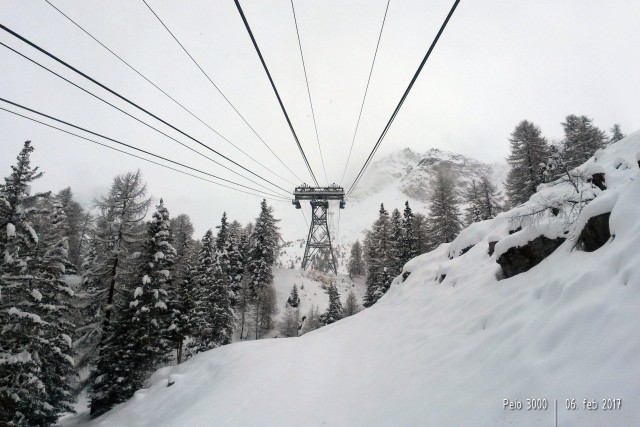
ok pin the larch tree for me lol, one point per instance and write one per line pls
(616, 134)
(351, 305)
(444, 221)
(356, 265)
(136, 341)
(529, 150)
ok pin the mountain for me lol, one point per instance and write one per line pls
(456, 343)
(403, 175)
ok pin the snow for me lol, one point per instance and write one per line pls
(33, 233)
(443, 354)
(145, 280)
(23, 314)
(138, 290)
(161, 305)
(11, 230)
(36, 295)
(67, 339)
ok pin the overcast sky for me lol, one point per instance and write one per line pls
(497, 63)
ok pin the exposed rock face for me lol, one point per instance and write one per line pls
(598, 180)
(492, 247)
(595, 233)
(520, 259)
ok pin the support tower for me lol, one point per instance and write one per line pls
(319, 236)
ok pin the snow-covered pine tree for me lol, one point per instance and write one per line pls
(136, 341)
(35, 346)
(262, 256)
(616, 134)
(204, 283)
(351, 305)
(356, 265)
(581, 140)
(529, 150)
(376, 253)
(236, 265)
(294, 298)
(409, 238)
(395, 259)
(182, 301)
(444, 222)
(334, 311)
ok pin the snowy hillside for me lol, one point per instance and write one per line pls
(452, 342)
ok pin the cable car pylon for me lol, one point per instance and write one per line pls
(319, 237)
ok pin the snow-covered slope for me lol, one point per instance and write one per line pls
(447, 353)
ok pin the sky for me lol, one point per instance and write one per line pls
(497, 63)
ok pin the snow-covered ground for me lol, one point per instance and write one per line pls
(456, 352)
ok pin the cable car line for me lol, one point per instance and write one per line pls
(404, 97)
(135, 118)
(284, 111)
(52, 56)
(118, 142)
(306, 79)
(366, 90)
(166, 94)
(218, 89)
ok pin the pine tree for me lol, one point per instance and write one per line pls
(35, 363)
(213, 315)
(581, 140)
(351, 305)
(409, 238)
(183, 302)
(334, 311)
(136, 341)
(262, 256)
(376, 253)
(356, 266)
(395, 256)
(294, 299)
(616, 134)
(444, 222)
(236, 267)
